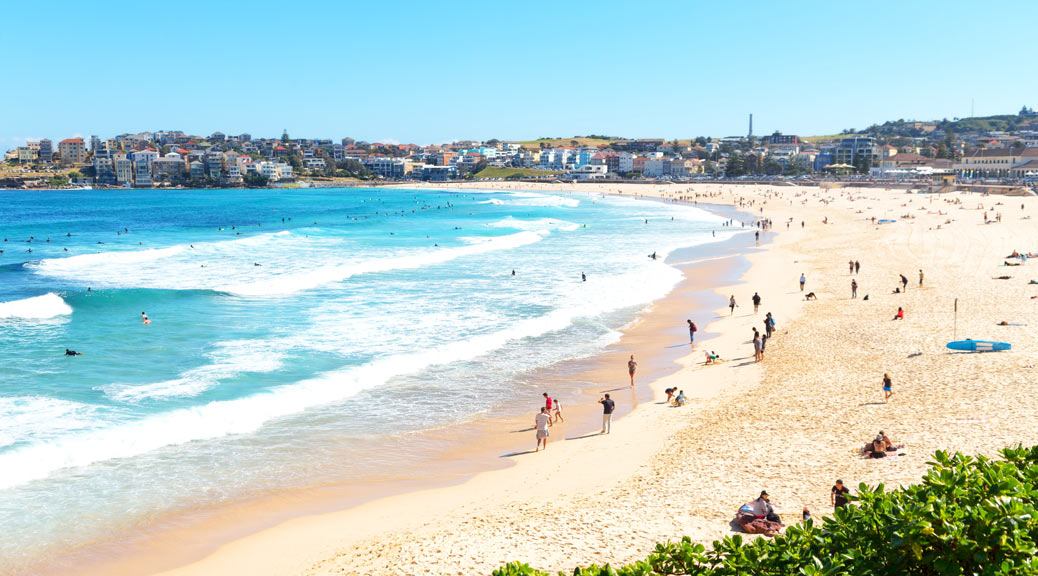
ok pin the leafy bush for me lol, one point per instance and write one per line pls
(969, 516)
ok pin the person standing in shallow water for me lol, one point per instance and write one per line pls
(631, 367)
(732, 304)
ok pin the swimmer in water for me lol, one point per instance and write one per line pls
(72, 353)
(145, 319)
(513, 272)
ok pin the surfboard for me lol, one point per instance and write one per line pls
(979, 345)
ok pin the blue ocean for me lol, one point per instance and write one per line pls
(288, 329)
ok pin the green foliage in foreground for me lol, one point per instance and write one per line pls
(969, 516)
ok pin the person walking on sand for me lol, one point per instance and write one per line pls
(838, 495)
(857, 266)
(607, 413)
(851, 265)
(631, 367)
(541, 422)
(854, 288)
(692, 332)
(557, 410)
(904, 283)
(920, 278)
(732, 304)
(887, 388)
(547, 405)
(756, 346)
(756, 302)
(803, 280)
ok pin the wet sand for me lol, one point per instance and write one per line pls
(454, 454)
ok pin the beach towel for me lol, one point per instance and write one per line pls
(753, 525)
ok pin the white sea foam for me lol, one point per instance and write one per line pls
(291, 263)
(545, 200)
(295, 282)
(494, 201)
(642, 284)
(539, 224)
(229, 360)
(33, 417)
(35, 308)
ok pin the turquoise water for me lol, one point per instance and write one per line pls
(288, 328)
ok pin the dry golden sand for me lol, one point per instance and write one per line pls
(791, 425)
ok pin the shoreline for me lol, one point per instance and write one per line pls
(790, 425)
(181, 537)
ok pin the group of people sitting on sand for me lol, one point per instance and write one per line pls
(880, 447)
(759, 517)
(676, 397)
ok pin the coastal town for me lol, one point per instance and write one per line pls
(998, 150)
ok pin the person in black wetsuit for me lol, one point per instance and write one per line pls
(72, 353)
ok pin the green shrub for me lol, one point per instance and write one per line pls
(969, 516)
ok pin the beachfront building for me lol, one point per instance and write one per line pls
(853, 149)
(588, 172)
(72, 150)
(653, 168)
(996, 163)
(142, 175)
(388, 167)
(123, 170)
(46, 151)
(196, 170)
(169, 168)
(684, 168)
(28, 154)
(439, 173)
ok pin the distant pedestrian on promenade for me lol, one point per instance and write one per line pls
(854, 288)
(803, 281)
(732, 304)
(631, 367)
(607, 413)
(542, 421)
(756, 302)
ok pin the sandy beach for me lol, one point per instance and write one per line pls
(791, 424)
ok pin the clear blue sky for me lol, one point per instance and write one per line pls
(429, 72)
